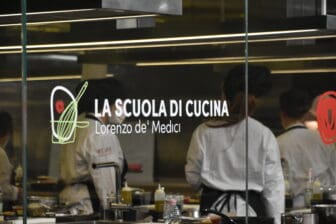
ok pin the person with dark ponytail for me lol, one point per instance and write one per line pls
(216, 155)
(302, 150)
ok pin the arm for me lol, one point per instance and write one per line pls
(9, 191)
(274, 189)
(194, 160)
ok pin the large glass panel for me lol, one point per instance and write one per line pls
(183, 87)
(184, 63)
(10, 146)
(10, 119)
(297, 45)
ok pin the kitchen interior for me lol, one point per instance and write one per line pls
(167, 49)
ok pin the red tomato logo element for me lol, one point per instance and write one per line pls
(326, 117)
(59, 105)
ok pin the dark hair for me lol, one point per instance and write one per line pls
(234, 87)
(101, 89)
(6, 123)
(295, 103)
(258, 81)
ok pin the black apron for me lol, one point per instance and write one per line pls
(210, 196)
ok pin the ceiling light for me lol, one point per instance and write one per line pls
(169, 42)
(42, 78)
(158, 40)
(46, 12)
(304, 71)
(62, 57)
(47, 78)
(79, 20)
(230, 60)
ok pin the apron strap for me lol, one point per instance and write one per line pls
(93, 194)
(210, 196)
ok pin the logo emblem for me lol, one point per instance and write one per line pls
(59, 105)
(64, 129)
(326, 117)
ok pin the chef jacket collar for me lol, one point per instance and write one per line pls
(296, 124)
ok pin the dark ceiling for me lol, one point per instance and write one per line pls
(199, 18)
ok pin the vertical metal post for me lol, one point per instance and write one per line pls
(24, 67)
(246, 108)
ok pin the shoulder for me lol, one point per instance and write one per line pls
(4, 161)
(260, 132)
(201, 129)
(314, 133)
(205, 133)
(282, 137)
(315, 136)
(258, 127)
(2, 152)
(302, 133)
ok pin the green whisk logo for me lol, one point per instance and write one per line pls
(64, 129)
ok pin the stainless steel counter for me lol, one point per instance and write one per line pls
(107, 222)
(76, 222)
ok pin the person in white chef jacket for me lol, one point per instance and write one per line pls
(9, 192)
(302, 149)
(216, 155)
(83, 184)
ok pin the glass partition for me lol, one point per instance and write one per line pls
(174, 80)
(297, 50)
(11, 138)
(185, 102)
(195, 116)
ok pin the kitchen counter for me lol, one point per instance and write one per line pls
(31, 221)
(95, 219)
(108, 222)
(238, 220)
(52, 221)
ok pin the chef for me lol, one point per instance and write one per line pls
(9, 192)
(216, 155)
(302, 148)
(87, 188)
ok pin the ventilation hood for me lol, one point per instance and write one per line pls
(58, 11)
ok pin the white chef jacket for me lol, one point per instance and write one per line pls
(303, 149)
(216, 158)
(10, 192)
(76, 165)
